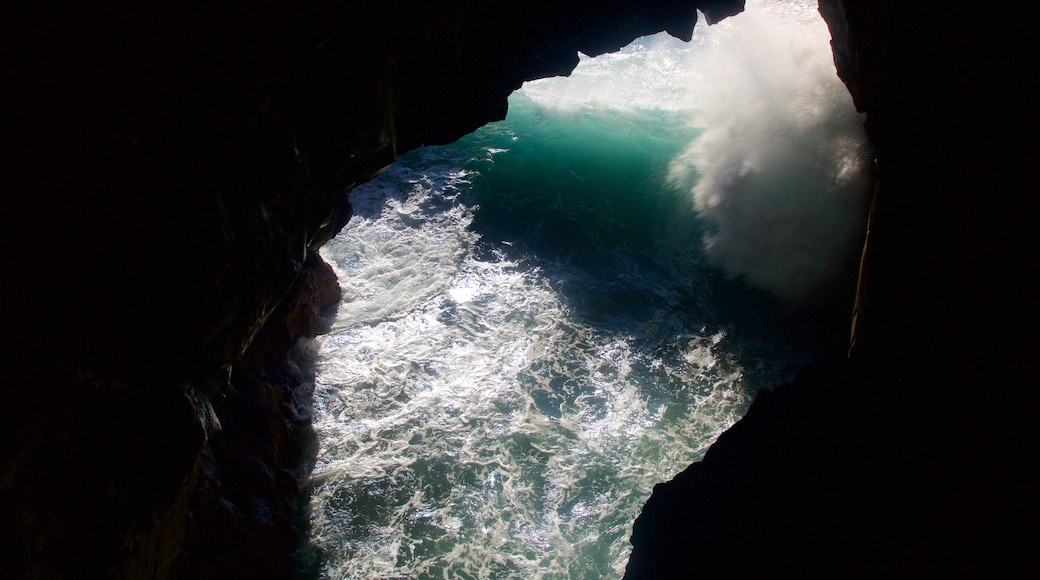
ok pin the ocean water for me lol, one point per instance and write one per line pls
(546, 318)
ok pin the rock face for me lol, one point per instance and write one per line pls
(173, 170)
(919, 458)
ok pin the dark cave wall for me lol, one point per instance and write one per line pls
(954, 127)
(173, 169)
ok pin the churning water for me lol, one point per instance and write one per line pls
(547, 317)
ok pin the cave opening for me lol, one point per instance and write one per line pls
(545, 318)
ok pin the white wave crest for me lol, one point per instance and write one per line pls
(782, 169)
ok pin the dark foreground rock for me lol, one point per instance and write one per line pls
(830, 478)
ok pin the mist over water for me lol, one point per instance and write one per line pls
(782, 169)
(546, 318)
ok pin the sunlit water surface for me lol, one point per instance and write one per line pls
(543, 320)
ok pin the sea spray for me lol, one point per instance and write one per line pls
(779, 164)
(782, 169)
(532, 335)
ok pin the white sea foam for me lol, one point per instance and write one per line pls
(471, 422)
(471, 426)
(782, 169)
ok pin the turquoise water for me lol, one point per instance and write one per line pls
(549, 316)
